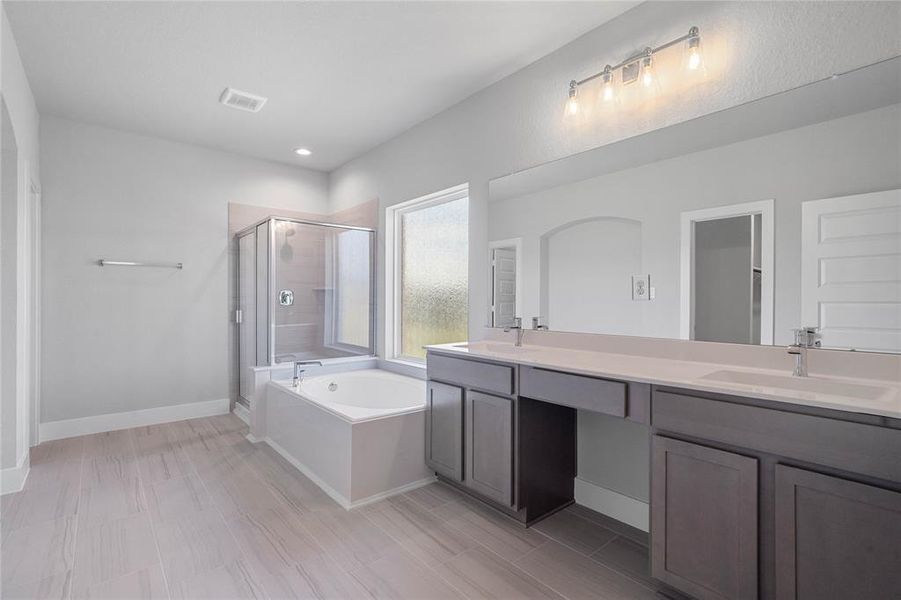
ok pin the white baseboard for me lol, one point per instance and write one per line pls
(334, 494)
(242, 413)
(613, 504)
(55, 430)
(13, 479)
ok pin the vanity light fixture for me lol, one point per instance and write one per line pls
(637, 67)
(572, 104)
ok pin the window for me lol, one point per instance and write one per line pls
(427, 278)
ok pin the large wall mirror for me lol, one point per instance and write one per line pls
(738, 226)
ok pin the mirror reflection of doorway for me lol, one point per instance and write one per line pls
(727, 274)
(505, 281)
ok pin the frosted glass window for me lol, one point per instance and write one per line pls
(434, 257)
(352, 288)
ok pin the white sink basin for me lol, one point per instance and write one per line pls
(805, 385)
(496, 348)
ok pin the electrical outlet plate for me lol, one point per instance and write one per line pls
(641, 287)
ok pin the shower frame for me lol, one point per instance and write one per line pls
(271, 283)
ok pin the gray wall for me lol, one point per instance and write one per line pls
(722, 280)
(122, 339)
(9, 250)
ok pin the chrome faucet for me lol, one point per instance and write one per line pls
(536, 324)
(805, 337)
(300, 366)
(517, 325)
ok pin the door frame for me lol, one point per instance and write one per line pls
(516, 244)
(766, 210)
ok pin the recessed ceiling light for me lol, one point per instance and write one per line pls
(302, 152)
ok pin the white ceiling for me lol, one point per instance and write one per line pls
(341, 77)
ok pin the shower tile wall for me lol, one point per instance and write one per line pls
(301, 326)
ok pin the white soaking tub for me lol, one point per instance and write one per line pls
(360, 435)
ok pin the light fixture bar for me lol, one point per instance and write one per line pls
(693, 33)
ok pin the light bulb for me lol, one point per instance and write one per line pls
(572, 104)
(647, 73)
(693, 61)
(607, 93)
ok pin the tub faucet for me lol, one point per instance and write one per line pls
(517, 325)
(805, 337)
(300, 366)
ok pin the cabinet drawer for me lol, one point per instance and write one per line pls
(577, 391)
(855, 447)
(471, 373)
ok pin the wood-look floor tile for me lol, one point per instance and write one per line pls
(430, 496)
(426, 535)
(629, 557)
(273, 539)
(228, 423)
(109, 443)
(398, 575)
(481, 574)
(574, 531)
(195, 544)
(65, 449)
(576, 576)
(499, 533)
(167, 463)
(232, 581)
(318, 578)
(55, 587)
(349, 538)
(151, 439)
(99, 470)
(145, 584)
(243, 491)
(30, 555)
(33, 506)
(110, 501)
(49, 473)
(290, 485)
(113, 549)
(617, 527)
(212, 462)
(176, 498)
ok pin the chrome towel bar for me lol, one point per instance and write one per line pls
(126, 263)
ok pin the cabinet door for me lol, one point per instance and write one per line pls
(703, 520)
(444, 430)
(835, 538)
(489, 446)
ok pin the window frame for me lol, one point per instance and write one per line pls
(393, 268)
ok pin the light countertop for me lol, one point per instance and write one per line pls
(874, 397)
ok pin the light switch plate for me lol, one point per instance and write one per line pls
(641, 287)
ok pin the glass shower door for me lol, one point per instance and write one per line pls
(322, 297)
(247, 313)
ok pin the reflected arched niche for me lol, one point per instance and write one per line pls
(586, 276)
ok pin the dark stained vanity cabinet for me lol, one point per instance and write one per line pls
(514, 453)
(444, 430)
(488, 446)
(704, 518)
(750, 499)
(835, 539)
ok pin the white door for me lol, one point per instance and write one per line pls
(503, 306)
(851, 270)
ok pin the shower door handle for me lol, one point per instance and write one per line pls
(286, 297)
(239, 316)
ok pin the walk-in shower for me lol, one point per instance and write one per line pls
(305, 291)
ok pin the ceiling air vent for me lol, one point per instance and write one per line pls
(242, 100)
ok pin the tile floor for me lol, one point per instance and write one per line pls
(193, 510)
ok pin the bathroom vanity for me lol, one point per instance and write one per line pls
(757, 491)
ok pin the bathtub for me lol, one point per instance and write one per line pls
(359, 435)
